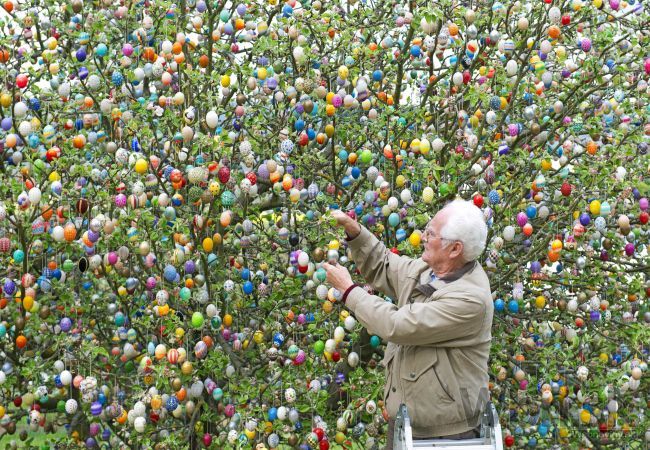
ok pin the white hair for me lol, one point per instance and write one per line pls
(465, 223)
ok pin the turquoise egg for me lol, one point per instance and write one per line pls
(393, 219)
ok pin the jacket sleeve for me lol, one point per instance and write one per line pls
(447, 318)
(380, 267)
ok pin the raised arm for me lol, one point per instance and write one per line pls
(418, 323)
(381, 268)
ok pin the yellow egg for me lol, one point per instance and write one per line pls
(258, 337)
(28, 302)
(328, 97)
(227, 320)
(540, 302)
(54, 176)
(585, 416)
(5, 100)
(225, 80)
(208, 244)
(327, 307)
(330, 110)
(594, 207)
(261, 73)
(2, 412)
(334, 244)
(121, 291)
(343, 72)
(329, 130)
(141, 166)
(400, 180)
(427, 194)
(415, 238)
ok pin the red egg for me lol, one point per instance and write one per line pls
(21, 80)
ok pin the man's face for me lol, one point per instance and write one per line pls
(434, 253)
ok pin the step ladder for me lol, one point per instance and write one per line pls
(490, 438)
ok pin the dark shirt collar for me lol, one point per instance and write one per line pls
(458, 273)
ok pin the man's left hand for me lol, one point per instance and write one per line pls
(338, 276)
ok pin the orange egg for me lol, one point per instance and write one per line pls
(453, 29)
(46, 212)
(592, 147)
(204, 61)
(554, 32)
(21, 341)
(553, 255)
(177, 48)
(10, 140)
(352, 158)
(225, 218)
(527, 229)
(227, 320)
(4, 56)
(149, 54)
(69, 232)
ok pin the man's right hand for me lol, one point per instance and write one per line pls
(351, 226)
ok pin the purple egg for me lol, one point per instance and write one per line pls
(535, 267)
(643, 203)
(94, 429)
(594, 316)
(263, 172)
(584, 219)
(190, 267)
(96, 408)
(585, 44)
(263, 61)
(6, 124)
(65, 324)
(241, 9)
(106, 433)
(522, 219)
(91, 443)
(300, 108)
(151, 283)
(201, 6)
(629, 249)
(93, 236)
(120, 200)
(272, 83)
(112, 258)
(83, 73)
(81, 55)
(9, 287)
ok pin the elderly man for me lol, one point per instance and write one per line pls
(438, 326)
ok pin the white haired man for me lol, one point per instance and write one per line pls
(438, 326)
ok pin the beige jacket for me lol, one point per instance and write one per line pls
(438, 342)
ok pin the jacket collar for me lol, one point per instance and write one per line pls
(428, 287)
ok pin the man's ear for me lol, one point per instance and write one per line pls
(457, 249)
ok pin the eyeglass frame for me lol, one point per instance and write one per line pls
(427, 233)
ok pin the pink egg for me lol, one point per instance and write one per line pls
(127, 49)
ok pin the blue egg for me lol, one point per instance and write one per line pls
(311, 134)
(245, 274)
(343, 155)
(531, 212)
(400, 234)
(499, 304)
(345, 182)
(273, 414)
(513, 306)
(416, 51)
(299, 125)
(377, 75)
(393, 220)
(248, 287)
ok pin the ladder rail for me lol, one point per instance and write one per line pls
(491, 436)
